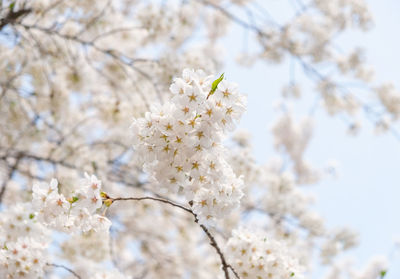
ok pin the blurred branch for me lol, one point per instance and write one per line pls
(10, 174)
(308, 68)
(213, 242)
(12, 17)
(113, 53)
(65, 268)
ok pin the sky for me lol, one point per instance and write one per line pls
(366, 195)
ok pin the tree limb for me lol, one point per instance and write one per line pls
(12, 17)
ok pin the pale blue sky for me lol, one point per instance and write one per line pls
(367, 194)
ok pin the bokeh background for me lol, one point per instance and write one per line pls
(366, 194)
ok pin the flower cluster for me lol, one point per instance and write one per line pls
(24, 258)
(20, 221)
(256, 256)
(390, 99)
(180, 143)
(376, 267)
(293, 138)
(285, 199)
(23, 242)
(93, 246)
(344, 13)
(340, 240)
(73, 214)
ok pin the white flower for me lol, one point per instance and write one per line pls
(25, 258)
(257, 256)
(75, 213)
(180, 143)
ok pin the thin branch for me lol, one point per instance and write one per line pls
(22, 154)
(48, 9)
(65, 268)
(234, 271)
(307, 67)
(213, 242)
(155, 199)
(113, 53)
(10, 174)
(113, 175)
(95, 18)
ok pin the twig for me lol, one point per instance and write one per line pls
(307, 67)
(154, 199)
(10, 174)
(234, 271)
(66, 268)
(113, 53)
(213, 242)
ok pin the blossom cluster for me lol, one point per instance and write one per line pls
(256, 256)
(180, 143)
(93, 246)
(346, 13)
(286, 199)
(390, 99)
(24, 258)
(73, 214)
(376, 267)
(23, 243)
(293, 138)
(340, 240)
(25, 236)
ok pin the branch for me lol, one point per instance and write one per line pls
(234, 18)
(113, 175)
(10, 174)
(307, 66)
(213, 242)
(154, 199)
(234, 271)
(113, 53)
(65, 268)
(23, 154)
(12, 17)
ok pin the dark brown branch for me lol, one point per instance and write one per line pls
(234, 271)
(214, 244)
(154, 199)
(12, 17)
